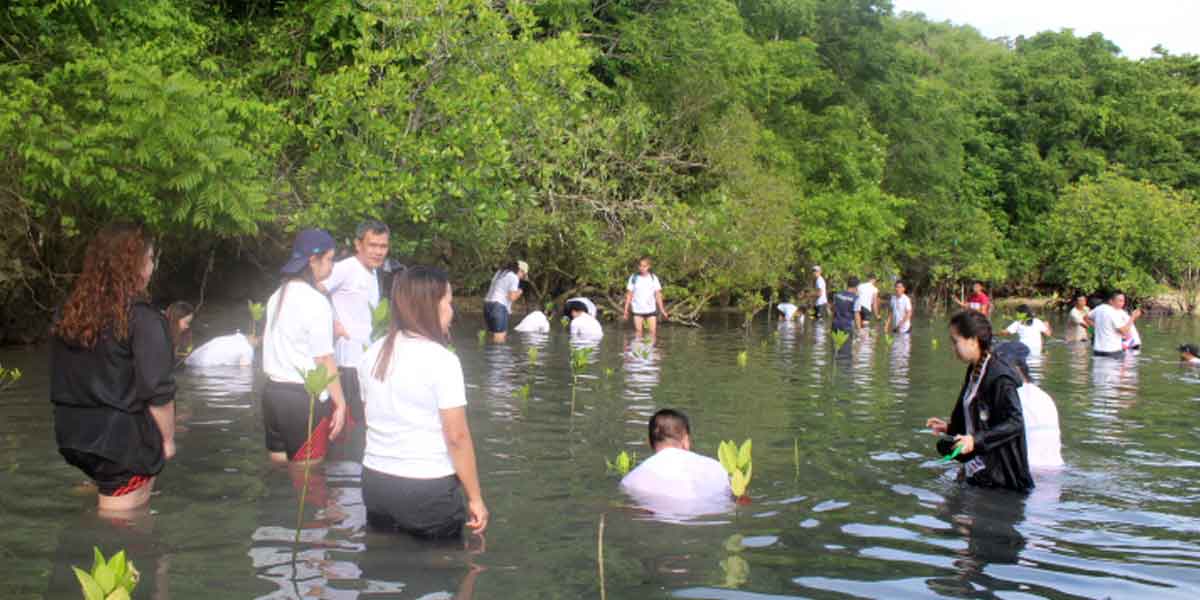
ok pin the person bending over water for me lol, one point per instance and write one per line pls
(505, 289)
(110, 371)
(987, 424)
(675, 474)
(298, 337)
(1029, 331)
(1189, 354)
(419, 458)
(643, 293)
(1042, 434)
(583, 321)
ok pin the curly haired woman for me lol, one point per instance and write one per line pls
(110, 364)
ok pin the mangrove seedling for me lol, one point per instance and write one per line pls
(934, 343)
(9, 377)
(739, 466)
(532, 353)
(796, 456)
(839, 339)
(482, 336)
(112, 579)
(622, 464)
(381, 319)
(579, 363)
(256, 315)
(549, 306)
(522, 393)
(743, 357)
(566, 322)
(608, 372)
(315, 382)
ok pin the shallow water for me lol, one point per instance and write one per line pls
(867, 512)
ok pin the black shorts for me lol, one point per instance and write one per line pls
(1116, 354)
(285, 421)
(495, 317)
(866, 314)
(649, 315)
(111, 479)
(427, 508)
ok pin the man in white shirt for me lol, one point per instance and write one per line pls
(675, 479)
(1111, 324)
(822, 297)
(901, 309)
(353, 288)
(867, 305)
(643, 294)
(583, 324)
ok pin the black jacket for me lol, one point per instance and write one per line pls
(101, 394)
(999, 429)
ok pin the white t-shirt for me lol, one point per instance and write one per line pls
(586, 326)
(302, 332)
(788, 309)
(534, 322)
(404, 425)
(224, 351)
(822, 297)
(901, 309)
(591, 306)
(679, 479)
(1042, 435)
(354, 291)
(1030, 335)
(1135, 339)
(643, 288)
(1076, 330)
(1107, 320)
(503, 283)
(866, 297)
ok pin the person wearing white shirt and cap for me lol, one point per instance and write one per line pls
(353, 288)
(505, 289)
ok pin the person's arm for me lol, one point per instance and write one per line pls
(628, 300)
(462, 455)
(907, 317)
(858, 317)
(1046, 329)
(1128, 327)
(515, 284)
(338, 419)
(986, 309)
(154, 364)
(662, 308)
(1007, 421)
(1010, 330)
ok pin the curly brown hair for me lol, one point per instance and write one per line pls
(106, 289)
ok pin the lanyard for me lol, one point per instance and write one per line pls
(973, 389)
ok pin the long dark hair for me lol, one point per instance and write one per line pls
(306, 276)
(105, 291)
(416, 294)
(176, 312)
(972, 324)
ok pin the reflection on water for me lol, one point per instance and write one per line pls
(857, 508)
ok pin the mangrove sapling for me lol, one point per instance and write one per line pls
(522, 393)
(743, 358)
(256, 314)
(839, 339)
(796, 456)
(566, 322)
(532, 353)
(315, 382)
(738, 464)
(482, 337)
(621, 464)
(8, 377)
(608, 371)
(112, 579)
(579, 362)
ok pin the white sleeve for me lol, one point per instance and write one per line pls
(320, 327)
(512, 282)
(1014, 327)
(629, 283)
(657, 284)
(1122, 319)
(336, 279)
(448, 387)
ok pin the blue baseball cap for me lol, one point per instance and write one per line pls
(309, 242)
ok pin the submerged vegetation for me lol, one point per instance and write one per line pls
(736, 140)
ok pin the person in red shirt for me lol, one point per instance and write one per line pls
(977, 300)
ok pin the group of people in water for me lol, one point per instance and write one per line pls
(113, 388)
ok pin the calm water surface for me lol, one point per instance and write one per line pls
(865, 513)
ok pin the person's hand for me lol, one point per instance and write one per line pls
(169, 449)
(966, 442)
(478, 516)
(1137, 313)
(339, 331)
(665, 315)
(337, 420)
(625, 316)
(937, 425)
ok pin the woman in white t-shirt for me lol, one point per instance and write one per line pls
(643, 294)
(504, 290)
(1029, 331)
(419, 458)
(298, 337)
(584, 324)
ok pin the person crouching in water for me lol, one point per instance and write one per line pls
(584, 324)
(1042, 434)
(987, 424)
(110, 372)
(298, 337)
(419, 460)
(675, 478)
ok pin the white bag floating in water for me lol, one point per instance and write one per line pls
(534, 322)
(224, 351)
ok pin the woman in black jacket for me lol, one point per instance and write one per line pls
(987, 425)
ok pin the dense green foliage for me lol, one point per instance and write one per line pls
(736, 140)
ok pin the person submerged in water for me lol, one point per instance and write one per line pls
(987, 425)
(584, 324)
(676, 478)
